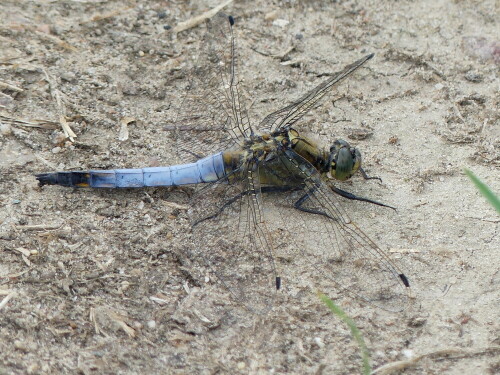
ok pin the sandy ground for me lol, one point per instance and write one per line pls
(94, 282)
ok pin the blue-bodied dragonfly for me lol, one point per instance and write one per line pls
(267, 197)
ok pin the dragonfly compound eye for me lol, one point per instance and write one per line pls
(344, 160)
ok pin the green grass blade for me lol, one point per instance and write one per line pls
(356, 333)
(485, 190)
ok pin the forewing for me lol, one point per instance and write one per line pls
(290, 114)
(212, 116)
(329, 248)
(230, 240)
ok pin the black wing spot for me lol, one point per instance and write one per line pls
(404, 279)
(231, 20)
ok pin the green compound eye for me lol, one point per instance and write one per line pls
(345, 160)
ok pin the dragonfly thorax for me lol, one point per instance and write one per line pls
(344, 161)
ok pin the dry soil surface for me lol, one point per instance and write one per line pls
(95, 282)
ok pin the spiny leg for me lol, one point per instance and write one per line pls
(303, 199)
(264, 189)
(342, 193)
(351, 196)
(366, 177)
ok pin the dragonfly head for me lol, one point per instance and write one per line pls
(343, 160)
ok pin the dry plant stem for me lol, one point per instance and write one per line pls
(195, 21)
(451, 353)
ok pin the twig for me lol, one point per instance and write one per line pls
(103, 16)
(400, 365)
(199, 19)
(38, 227)
(6, 300)
(61, 110)
(8, 86)
(42, 124)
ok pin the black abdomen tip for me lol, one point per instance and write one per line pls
(231, 20)
(46, 179)
(69, 179)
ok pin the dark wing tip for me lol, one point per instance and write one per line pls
(370, 56)
(231, 20)
(404, 279)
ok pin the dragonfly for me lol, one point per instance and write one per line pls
(266, 197)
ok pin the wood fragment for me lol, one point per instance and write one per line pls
(6, 300)
(61, 109)
(195, 21)
(8, 86)
(36, 227)
(103, 16)
(452, 353)
(123, 134)
(54, 39)
(176, 206)
(35, 123)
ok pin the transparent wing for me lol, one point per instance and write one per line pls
(328, 247)
(212, 115)
(230, 240)
(290, 114)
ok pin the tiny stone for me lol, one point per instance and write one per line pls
(167, 27)
(5, 129)
(141, 53)
(319, 342)
(241, 365)
(473, 76)
(408, 353)
(19, 345)
(162, 14)
(151, 324)
(68, 76)
(271, 16)
(56, 150)
(438, 86)
(280, 22)
(299, 36)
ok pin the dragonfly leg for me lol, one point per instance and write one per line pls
(366, 177)
(300, 202)
(351, 196)
(264, 189)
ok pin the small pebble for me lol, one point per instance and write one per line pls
(5, 129)
(408, 353)
(241, 365)
(319, 342)
(141, 53)
(56, 150)
(280, 22)
(271, 16)
(19, 345)
(151, 324)
(438, 86)
(473, 77)
(68, 76)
